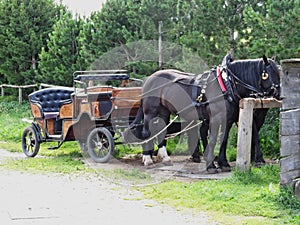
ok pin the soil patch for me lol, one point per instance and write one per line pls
(181, 168)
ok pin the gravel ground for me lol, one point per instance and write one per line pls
(63, 200)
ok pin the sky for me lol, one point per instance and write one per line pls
(83, 7)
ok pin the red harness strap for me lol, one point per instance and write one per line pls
(220, 79)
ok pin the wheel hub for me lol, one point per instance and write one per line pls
(99, 145)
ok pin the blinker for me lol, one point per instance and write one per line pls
(265, 76)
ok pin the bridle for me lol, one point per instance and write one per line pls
(272, 91)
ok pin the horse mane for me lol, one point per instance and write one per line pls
(248, 71)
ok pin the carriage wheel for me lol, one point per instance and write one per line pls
(30, 143)
(100, 145)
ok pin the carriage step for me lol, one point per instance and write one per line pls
(53, 148)
(55, 136)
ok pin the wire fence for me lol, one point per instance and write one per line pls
(21, 87)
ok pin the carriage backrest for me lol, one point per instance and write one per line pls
(51, 99)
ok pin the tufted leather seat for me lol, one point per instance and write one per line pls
(51, 99)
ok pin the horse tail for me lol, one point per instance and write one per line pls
(133, 133)
(139, 116)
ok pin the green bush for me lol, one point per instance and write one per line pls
(287, 199)
(269, 134)
(11, 114)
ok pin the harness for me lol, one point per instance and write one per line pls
(227, 81)
(227, 84)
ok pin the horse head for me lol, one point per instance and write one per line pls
(255, 77)
(270, 78)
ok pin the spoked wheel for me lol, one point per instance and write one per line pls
(100, 145)
(30, 143)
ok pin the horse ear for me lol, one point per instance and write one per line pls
(227, 60)
(266, 61)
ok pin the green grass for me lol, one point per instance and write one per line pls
(11, 125)
(63, 164)
(253, 196)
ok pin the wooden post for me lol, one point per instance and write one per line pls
(2, 91)
(20, 95)
(160, 24)
(290, 125)
(245, 134)
(247, 105)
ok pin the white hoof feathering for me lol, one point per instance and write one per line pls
(147, 160)
(162, 153)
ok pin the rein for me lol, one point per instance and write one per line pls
(245, 85)
(264, 76)
(156, 135)
(188, 127)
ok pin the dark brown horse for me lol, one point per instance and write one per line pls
(202, 97)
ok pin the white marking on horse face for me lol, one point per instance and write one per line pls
(147, 160)
(162, 153)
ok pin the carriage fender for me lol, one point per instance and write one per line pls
(82, 126)
(37, 130)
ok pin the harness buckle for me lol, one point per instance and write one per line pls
(200, 98)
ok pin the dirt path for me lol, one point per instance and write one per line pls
(63, 200)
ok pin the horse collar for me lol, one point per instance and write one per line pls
(226, 83)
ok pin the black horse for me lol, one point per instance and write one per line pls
(251, 78)
(203, 97)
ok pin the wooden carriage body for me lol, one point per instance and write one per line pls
(68, 114)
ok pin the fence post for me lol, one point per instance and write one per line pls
(290, 125)
(2, 91)
(245, 134)
(20, 95)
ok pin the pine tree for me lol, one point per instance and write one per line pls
(62, 56)
(25, 26)
(273, 28)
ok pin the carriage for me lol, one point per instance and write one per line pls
(94, 112)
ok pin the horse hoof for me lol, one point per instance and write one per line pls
(196, 159)
(223, 164)
(212, 170)
(226, 169)
(147, 160)
(259, 164)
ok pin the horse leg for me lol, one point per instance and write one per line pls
(256, 152)
(163, 154)
(203, 136)
(222, 161)
(204, 133)
(209, 151)
(139, 116)
(148, 147)
(194, 144)
(162, 151)
(258, 121)
(148, 153)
